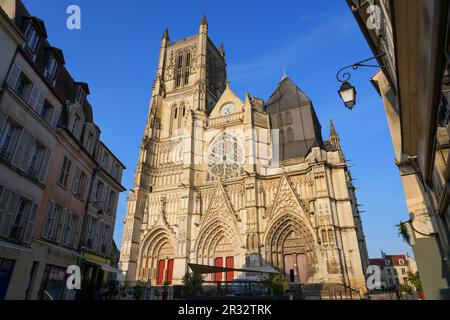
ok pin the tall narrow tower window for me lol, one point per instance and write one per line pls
(182, 68)
(187, 67)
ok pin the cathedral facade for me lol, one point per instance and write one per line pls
(237, 183)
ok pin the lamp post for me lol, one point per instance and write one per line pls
(347, 91)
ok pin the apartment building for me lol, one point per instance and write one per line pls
(394, 269)
(51, 162)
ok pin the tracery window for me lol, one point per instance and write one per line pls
(288, 118)
(290, 135)
(225, 157)
(182, 68)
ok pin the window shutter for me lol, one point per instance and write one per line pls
(23, 165)
(76, 180)
(28, 235)
(4, 198)
(14, 75)
(67, 231)
(106, 199)
(62, 225)
(46, 232)
(9, 214)
(35, 93)
(43, 171)
(86, 188)
(55, 118)
(77, 235)
(94, 189)
(3, 117)
(39, 102)
(23, 140)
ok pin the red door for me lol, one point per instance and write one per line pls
(161, 267)
(302, 265)
(218, 263)
(169, 271)
(230, 264)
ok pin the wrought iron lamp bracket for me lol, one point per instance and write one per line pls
(342, 76)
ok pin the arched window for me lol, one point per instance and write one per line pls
(324, 237)
(330, 236)
(282, 136)
(280, 120)
(288, 118)
(182, 68)
(254, 242)
(179, 69)
(290, 135)
(187, 67)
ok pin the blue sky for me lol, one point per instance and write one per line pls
(116, 52)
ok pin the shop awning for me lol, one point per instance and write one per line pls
(205, 269)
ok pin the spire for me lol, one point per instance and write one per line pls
(333, 132)
(204, 22)
(204, 25)
(166, 34)
(334, 139)
(222, 50)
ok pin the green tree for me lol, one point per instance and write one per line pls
(414, 279)
(277, 284)
(193, 283)
(139, 289)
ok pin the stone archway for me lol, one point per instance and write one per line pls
(289, 247)
(218, 245)
(156, 258)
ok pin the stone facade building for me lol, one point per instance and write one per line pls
(56, 175)
(237, 183)
(410, 41)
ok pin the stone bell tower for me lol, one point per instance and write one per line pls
(190, 79)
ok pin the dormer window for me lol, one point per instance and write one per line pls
(80, 92)
(80, 96)
(32, 38)
(76, 121)
(52, 68)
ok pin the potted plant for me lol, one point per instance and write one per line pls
(403, 231)
(414, 279)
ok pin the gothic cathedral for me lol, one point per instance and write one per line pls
(243, 184)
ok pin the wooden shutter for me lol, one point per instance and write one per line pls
(3, 117)
(62, 225)
(4, 198)
(55, 118)
(48, 217)
(44, 166)
(34, 95)
(66, 234)
(76, 181)
(86, 187)
(75, 238)
(14, 75)
(28, 235)
(23, 140)
(23, 165)
(9, 214)
(39, 102)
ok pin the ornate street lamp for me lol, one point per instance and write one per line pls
(347, 92)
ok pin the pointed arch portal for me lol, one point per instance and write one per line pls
(289, 247)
